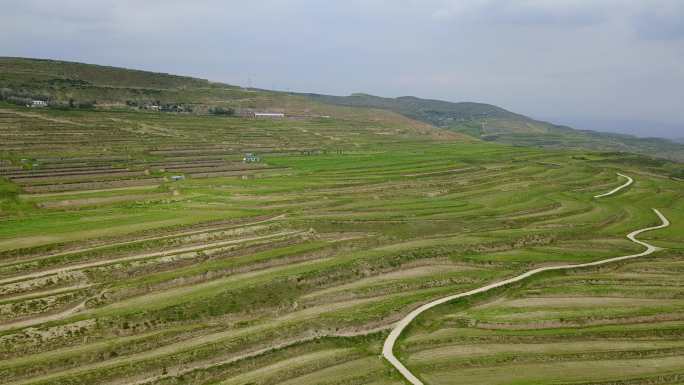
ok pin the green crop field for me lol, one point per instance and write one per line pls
(293, 269)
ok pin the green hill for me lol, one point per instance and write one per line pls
(77, 85)
(492, 123)
(436, 112)
(56, 73)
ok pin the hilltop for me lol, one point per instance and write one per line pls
(78, 85)
(57, 72)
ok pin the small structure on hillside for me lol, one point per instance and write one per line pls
(39, 103)
(250, 158)
(269, 115)
(309, 152)
(177, 178)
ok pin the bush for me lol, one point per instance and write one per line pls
(18, 100)
(677, 173)
(222, 111)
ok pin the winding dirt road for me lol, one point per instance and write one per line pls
(388, 348)
(613, 191)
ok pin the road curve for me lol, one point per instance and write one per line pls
(388, 348)
(613, 191)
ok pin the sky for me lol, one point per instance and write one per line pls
(614, 65)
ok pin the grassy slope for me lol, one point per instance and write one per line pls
(390, 222)
(112, 87)
(46, 70)
(291, 270)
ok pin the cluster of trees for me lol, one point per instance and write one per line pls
(65, 83)
(24, 98)
(222, 111)
(176, 108)
(679, 174)
(20, 97)
(87, 104)
(72, 104)
(157, 105)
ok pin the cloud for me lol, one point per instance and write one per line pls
(653, 20)
(594, 59)
(660, 20)
(524, 12)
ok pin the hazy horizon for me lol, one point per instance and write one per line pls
(604, 65)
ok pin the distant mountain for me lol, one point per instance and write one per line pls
(492, 123)
(636, 127)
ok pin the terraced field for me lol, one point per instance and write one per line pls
(293, 270)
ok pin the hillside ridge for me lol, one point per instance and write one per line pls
(492, 123)
(70, 84)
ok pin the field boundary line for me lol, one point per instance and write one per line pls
(24, 323)
(144, 239)
(388, 347)
(157, 254)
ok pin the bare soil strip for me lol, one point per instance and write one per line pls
(39, 320)
(153, 238)
(86, 265)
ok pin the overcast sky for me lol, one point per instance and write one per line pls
(601, 64)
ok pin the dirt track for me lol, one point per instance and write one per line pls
(152, 238)
(613, 191)
(86, 265)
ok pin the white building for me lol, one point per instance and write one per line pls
(250, 158)
(269, 115)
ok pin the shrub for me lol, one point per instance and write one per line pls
(222, 111)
